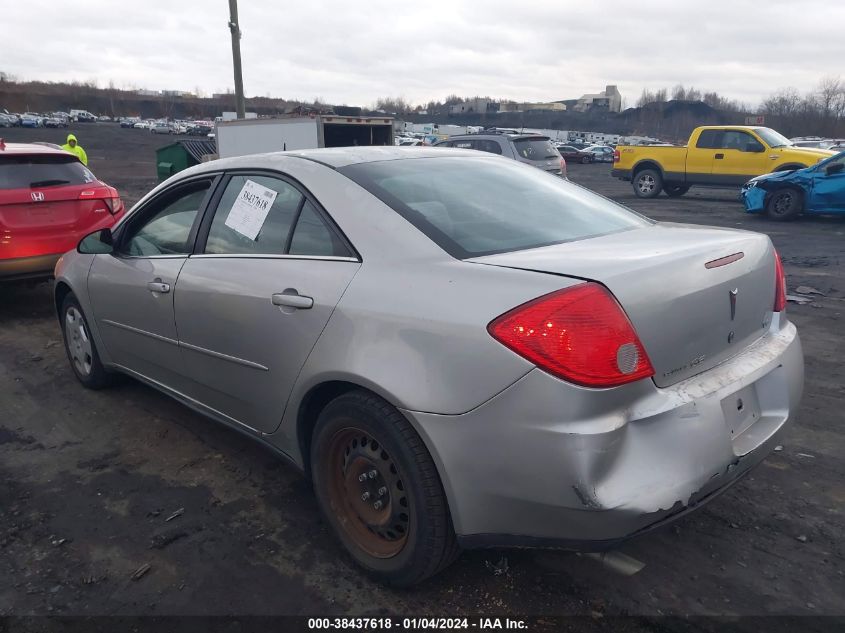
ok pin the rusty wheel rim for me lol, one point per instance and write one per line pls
(367, 494)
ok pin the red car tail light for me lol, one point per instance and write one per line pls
(780, 286)
(616, 156)
(114, 205)
(580, 334)
(563, 166)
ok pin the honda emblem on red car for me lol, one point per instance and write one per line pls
(37, 196)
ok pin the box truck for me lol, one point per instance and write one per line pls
(256, 136)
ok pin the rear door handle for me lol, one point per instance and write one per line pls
(292, 301)
(158, 286)
(719, 156)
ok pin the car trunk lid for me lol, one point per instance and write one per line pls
(695, 295)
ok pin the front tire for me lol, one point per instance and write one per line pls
(785, 204)
(80, 347)
(648, 183)
(378, 488)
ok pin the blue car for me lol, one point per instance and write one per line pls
(783, 195)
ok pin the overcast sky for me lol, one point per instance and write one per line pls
(354, 52)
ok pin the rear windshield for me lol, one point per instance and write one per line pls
(481, 206)
(535, 148)
(42, 170)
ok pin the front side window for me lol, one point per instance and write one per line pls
(738, 140)
(167, 228)
(254, 217)
(481, 206)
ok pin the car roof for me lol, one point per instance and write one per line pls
(343, 156)
(29, 148)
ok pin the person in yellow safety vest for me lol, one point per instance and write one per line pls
(74, 147)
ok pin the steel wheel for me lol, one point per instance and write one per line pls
(78, 342)
(367, 493)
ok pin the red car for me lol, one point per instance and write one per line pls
(48, 202)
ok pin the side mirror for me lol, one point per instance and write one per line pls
(834, 168)
(97, 243)
(754, 147)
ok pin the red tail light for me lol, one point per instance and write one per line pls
(580, 334)
(563, 166)
(780, 286)
(616, 156)
(114, 205)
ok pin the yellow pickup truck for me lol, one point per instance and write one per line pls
(715, 156)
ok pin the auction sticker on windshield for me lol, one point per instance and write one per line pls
(250, 209)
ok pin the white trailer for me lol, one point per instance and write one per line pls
(256, 136)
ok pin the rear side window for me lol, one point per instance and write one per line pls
(312, 236)
(479, 206)
(709, 139)
(535, 148)
(42, 170)
(242, 228)
(487, 145)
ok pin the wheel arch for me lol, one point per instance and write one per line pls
(61, 291)
(316, 399)
(647, 163)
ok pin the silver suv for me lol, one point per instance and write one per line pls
(534, 149)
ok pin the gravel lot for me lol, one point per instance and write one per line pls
(90, 479)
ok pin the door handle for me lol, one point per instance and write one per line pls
(292, 301)
(158, 286)
(719, 156)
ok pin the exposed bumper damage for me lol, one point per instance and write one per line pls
(546, 463)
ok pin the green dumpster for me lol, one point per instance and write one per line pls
(180, 155)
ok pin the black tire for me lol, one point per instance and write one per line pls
(648, 183)
(585, 160)
(675, 191)
(80, 347)
(785, 204)
(424, 541)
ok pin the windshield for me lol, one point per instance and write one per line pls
(772, 138)
(42, 170)
(481, 206)
(539, 148)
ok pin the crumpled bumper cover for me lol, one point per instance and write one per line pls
(754, 199)
(546, 463)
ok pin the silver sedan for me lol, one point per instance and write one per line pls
(458, 349)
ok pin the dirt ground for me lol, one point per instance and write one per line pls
(90, 480)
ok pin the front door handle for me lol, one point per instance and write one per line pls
(292, 301)
(719, 156)
(158, 286)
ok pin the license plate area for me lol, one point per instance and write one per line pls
(741, 409)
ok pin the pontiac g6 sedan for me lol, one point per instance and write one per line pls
(458, 349)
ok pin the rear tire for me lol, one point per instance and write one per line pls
(80, 347)
(785, 204)
(378, 488)
(648, 183)
(675, 191)
(585, 160)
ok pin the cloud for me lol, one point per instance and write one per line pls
(356, 52)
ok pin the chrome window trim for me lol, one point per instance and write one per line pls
(328, 258)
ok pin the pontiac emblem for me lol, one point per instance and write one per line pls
(37, 196)
(733, 293)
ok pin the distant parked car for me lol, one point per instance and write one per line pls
(31, 120)
(533, 149)
(601, 153)
(836, 144)
(161, 127)
(53, 121)
(127, 123)
(6, 120)
(199, 130)
(784, 195)
(574, 155)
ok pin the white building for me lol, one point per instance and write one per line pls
(610, 100)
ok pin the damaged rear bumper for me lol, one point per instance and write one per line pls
(550, 464)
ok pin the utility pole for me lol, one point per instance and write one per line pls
(235, 29)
